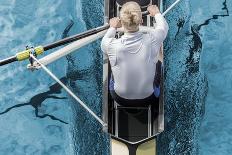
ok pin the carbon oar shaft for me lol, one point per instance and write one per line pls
(75, 37)
(40, 49)
(8, 60)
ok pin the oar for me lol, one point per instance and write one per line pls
(40, 49)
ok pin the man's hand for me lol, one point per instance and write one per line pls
(153, 10)
(115, 22)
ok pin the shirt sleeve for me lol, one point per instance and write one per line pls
(160, 32)
(107, 39)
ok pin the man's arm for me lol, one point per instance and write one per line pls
(110, 34)
(161, 29)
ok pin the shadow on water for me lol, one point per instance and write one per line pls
(196, 43)
(37, 100)
(180, 25)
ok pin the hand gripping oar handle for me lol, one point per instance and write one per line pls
(26, 53)
(79, 36)
(92, 31)
(146, 13)
(166, 11)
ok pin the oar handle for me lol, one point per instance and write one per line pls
(40, 49)
(145, 13)
(166, 11)
(8, 60)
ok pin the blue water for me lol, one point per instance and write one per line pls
(34, 109)
(38, 118)
(197, 85)
(215, 132)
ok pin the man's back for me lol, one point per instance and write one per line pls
(133, 59)
(133, 62)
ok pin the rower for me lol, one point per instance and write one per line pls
(133, 57)
(135, 113)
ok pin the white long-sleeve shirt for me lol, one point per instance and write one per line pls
(133, 59)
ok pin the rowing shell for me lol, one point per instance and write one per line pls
(133, 129)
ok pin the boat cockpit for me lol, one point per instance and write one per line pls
(132, 124)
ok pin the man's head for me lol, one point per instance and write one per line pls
(131, 16)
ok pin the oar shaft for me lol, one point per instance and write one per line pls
(170, 7)
(78, 36)
(20, 56)
(75, 37)
(8, 60)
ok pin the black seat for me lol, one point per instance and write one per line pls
(142, 3)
